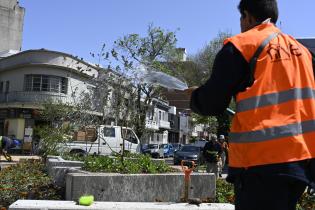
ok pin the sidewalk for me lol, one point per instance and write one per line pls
(15, 159)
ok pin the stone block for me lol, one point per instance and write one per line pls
(59, 174)
(59, 162)
(139, 187)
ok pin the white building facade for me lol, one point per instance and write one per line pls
(32, 77)
(157, 123)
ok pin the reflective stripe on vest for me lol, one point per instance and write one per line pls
(273, 133)
(275, 98)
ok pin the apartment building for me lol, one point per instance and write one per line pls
(32, 77)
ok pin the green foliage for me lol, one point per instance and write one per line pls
(224, 123)
(56, 116)
(158, 45)
(224, 192)
(26, 180)
(211, 122)
(51, 139)
(132, 164)
(193, 139)
(307, 202)
(55, 111)
(204, 59)
(199, 73)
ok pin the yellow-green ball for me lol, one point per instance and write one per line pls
(86, 200)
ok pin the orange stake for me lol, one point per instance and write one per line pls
(187, 172)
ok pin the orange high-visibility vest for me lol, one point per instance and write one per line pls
(275, 117)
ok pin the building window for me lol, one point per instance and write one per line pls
(46, 83)
(109, 132)
(152, 115)
(1, 87)
(7, 86)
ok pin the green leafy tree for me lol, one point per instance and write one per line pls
(210, 122)
(151, 50)
(204, 60)
(56, 129)
(118, 94)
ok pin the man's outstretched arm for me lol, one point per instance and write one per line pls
(230, 74)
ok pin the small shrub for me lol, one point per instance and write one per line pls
(307, 202)
(224, 192)
(51, 139)
(26, 180)
(132, 164)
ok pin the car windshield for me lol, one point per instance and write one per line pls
(144, 146)
(164, 146)
(200, 143)
(153, 146)
(176, 146)
(189, 149)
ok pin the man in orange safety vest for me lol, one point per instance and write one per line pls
(272, 138)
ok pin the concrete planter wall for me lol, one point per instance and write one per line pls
(127, 187)
(56, 161)
(57, 168)
(138, 187)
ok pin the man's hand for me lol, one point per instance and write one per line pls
(189, 91)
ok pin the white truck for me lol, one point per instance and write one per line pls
(109, 139)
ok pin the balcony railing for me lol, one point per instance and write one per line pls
(165, 124)
(34, 97)
(150, 124)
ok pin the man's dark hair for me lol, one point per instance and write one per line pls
(260, 9)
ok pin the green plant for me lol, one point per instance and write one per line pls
(307, 202)
(26, 180)
(51, 139)
(224, 192)
(132, 164)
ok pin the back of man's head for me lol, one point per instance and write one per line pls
(213, 137)
(260, 9)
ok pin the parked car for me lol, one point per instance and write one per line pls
(168, 150)
(200, 143)
(176, 146)
(188, 152)
(144, 148)
(156, 151)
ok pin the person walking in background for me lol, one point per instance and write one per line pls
(271, 77)
(211, 153)
(224, 153)
(5, 144)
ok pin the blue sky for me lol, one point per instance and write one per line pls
(79, 27)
